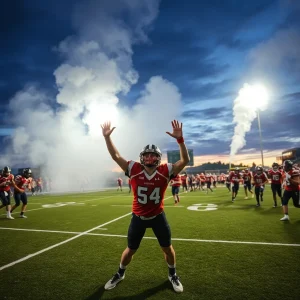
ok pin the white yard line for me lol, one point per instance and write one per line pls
(17, 212)
(66, 241)
(59, 244)
(149, 238)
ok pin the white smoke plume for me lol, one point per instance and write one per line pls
(245, 107)
(64, 136)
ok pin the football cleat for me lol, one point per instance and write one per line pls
(113, 281)
(177, 286)
(10, 217)
(23, 216)
(285, 218)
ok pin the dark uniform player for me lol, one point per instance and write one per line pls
(235, 178)
(228, 183)
(22, 182)
(276, 182)
(259, 180)
(247, 177)
(6, 181)
(149, 180)
(176, 183)
(183, 182)
(291, 188)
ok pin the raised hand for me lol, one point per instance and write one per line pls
(177, 130)
(106, 130)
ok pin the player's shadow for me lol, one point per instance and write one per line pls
(142, 296)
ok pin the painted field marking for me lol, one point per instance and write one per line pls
(149, 238)
(17, 212)
(59, 244)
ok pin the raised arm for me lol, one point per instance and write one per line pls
(184, 156)
(114, 153)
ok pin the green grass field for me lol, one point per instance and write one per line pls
(70, 250)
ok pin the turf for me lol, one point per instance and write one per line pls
(236, 251)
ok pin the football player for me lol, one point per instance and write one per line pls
(259, 180)
(208, 180)
(175, 183)
(235, 178)
(276, 182)
(22, 182)
(6, 181)
(228, 182)
(247, 177)
(291, 188)
(149, 180)
(120, 184)
(183, 182)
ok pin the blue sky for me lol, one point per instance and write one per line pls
(207, 49)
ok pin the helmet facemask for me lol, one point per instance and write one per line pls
(152, 160)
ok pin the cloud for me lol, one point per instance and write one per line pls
(283, 46)
(208, 113)
(65, 138)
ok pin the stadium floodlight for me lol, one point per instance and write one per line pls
(256, 97)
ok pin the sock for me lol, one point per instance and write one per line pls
(8, 213)
(172, 270)
(22, 213)
(121, 270)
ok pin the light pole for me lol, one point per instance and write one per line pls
(260, 139)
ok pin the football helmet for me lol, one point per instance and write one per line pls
(287, 165)
(27, 173)
(236, 170)
(6, 171)
(153, 161)
(259, 169)
(275, 166)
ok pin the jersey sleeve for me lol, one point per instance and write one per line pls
(129, 168)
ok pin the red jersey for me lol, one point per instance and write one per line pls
(235, 178)
(247, 176)
(8, 182)
(176, 181)
(260, 179)
(208, 178)
(22, 182)
(148, 190)
(291, 174)
(276, 176)
(183, 180)
(120, 181)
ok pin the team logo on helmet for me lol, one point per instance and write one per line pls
(150, 161)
